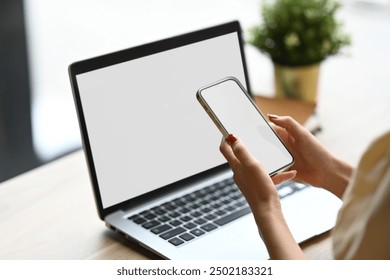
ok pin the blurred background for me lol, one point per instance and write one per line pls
(40, 38)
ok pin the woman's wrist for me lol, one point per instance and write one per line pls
(276, 234)
(337, 177)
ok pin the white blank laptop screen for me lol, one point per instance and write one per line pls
(145, 126)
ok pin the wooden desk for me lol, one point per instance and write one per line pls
(49, 213)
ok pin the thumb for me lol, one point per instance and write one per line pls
(284, 176)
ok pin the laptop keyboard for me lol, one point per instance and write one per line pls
(193, 215)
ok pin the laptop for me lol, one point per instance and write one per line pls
(152, 153)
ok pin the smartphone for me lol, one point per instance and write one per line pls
(233, 111)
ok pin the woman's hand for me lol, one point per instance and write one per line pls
(313, 162)
(254, 182)
(259, 190)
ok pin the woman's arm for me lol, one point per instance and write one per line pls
(314, 164)
(259, 190)
(277, 236)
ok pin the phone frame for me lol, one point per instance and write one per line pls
(220, 125)
(210, 111)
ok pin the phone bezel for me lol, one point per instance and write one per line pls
(220, 125)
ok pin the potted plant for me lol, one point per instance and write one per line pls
(298, 35)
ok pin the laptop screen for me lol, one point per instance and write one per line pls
(144, 125)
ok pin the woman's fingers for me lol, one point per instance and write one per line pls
(288, 123)
(284, 176)
(227, 152)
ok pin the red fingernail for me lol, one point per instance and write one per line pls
(231, 139)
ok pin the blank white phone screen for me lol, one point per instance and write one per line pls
(239, 116)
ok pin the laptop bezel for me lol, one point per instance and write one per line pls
(121, 56)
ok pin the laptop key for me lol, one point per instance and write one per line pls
(230, 181)
(190, 198)
(176, 241)
(195, 205)
(172, 233)
(209, 189)
(186, 218)
(205, 202)
(226, 200)
(186, 236)
(159, 210)
(233, 216)
(217, 205)
(151, 224)
(174, 214)
(161, 229)
(210, 217)
(230, 208)
(176, 223)
(164, 219)
(190, 225)
(169, 206)
(139, 220)
(207, 210)
(185, 210)
(236, 196)
(196, 214)
(220, 212)
(241, 203)
(149, 216)
(209, 227)
(198, 194)
(200, 221)
(179, 202)
(197, 232)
